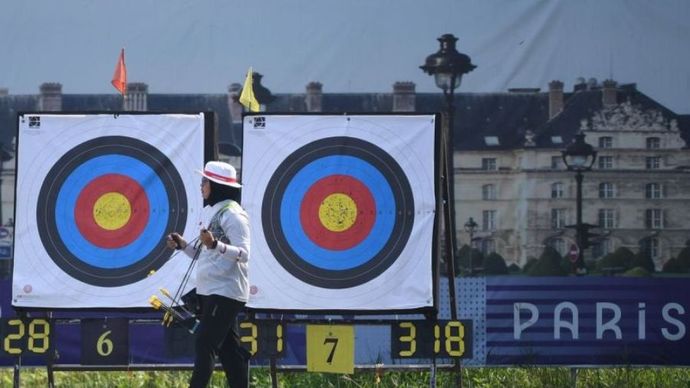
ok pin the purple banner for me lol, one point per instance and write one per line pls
(516, 321)
(587, 321)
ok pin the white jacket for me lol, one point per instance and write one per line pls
(223, 270)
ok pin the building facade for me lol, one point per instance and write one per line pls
(509, 173)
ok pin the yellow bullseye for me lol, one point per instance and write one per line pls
(338, 212)
(112, 211)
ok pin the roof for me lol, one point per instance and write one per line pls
(482, 120)
(583, 104)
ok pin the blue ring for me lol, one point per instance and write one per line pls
(66, 201)
(296, 191)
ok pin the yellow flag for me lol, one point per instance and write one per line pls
(247, 98)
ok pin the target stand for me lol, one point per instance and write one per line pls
(343, 212)
(96, 195)
(347, 209)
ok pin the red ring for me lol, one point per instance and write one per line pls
(109, 183)
(309, 212)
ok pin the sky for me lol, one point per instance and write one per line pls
(350, 46)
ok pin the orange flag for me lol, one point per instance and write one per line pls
(120, 77)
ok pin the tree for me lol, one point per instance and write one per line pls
(637, 272)
(514, 269)
(620, 260)
(548, 264)
(641, 259)
(684, 258)
(531, 262)
(462, 264)
(673, 266)
(494, 264)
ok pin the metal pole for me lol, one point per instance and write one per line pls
(573, 377)
(580, 263)
(274, 372)
(451, 238)
(17, 368)
(471, 251)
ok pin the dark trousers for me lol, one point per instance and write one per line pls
(217, 336)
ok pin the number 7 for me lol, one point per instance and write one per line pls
(333, 341)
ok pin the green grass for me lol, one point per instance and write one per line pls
(472, 377)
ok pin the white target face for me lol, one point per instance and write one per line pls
(342, 211)
(96, 196)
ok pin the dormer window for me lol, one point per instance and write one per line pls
(653, 143)
(491, 140)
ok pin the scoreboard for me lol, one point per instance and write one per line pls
(22, 336)
(124, 341)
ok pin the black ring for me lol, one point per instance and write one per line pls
(382, 260)
(45, 211)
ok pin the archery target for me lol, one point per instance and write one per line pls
(97, 194)
(342, 211)
(95, 217)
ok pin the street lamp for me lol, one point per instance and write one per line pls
(579, 157)
(471, 227)
(447, 66)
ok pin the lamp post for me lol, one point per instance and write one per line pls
(471, 227)
(447, 66)
(579, 157)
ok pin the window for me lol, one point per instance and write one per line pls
(557, 190)
(654, 218)
(601, 248)
(556, 140)
(488, 246)
(606, 142)
(489, 220)
(650, 247)
(557, 218)
(652, 162)
(556, 162)
(653, 191)
(607, 190)
(605, 162)
(653, 143)
(488, 192)
(607, 218)
(488, 163)
(491, 140)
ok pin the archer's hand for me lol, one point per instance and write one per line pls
(175, 241)
(206, 238)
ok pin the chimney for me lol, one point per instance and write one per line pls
(50, 99)
(555, 98)
(234, 105)
(314, 98)
(580, 85)
(136, 98)
(4, 92)
(404, 97)
(609, 93)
